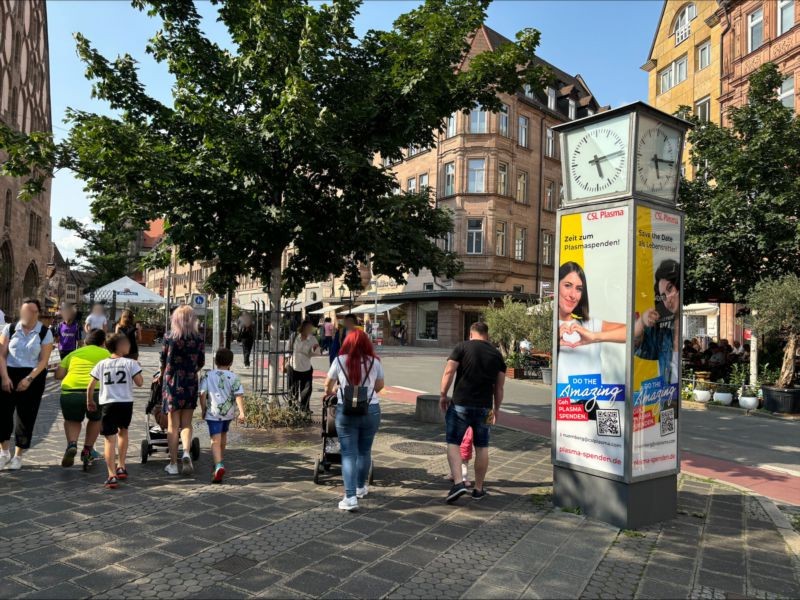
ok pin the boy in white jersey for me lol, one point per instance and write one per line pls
(221, 392)
(116, 375)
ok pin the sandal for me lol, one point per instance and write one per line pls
(111, 483)
(122, 473)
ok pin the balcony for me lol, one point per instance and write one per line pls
(484, 267)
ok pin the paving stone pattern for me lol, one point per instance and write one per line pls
(270, 532)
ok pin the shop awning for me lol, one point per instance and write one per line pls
(326, 309)
(295, 305)
(703, 309)
(372, 309)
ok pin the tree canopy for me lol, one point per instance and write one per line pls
(270, 144)
(744, 202)
(106, 253)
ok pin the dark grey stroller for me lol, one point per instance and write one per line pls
(331, 450)
(156, 428)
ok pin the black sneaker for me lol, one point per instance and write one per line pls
(456, 492)
(478, 494)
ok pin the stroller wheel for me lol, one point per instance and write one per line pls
(316, 471)
(145, 451)
(195, 451)
(371, 477)
(326, 466)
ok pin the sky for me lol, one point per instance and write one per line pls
(605, 41)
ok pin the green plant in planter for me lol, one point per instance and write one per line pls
(768, 375)
(739, 375)
(775, 305)
(702, 386)
(749, 391)
(514, 360)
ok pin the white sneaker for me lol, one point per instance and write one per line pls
(171, 469)
(349, 504)
(15, 464)
(188, 467)
(362, 492)
(4, 460)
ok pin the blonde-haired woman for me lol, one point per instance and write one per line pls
(182, 357)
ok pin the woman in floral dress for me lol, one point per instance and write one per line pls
(182, 357)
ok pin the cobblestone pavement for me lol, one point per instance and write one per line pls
(270, 532)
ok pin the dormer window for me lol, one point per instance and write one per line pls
(573, 108)
(551, 98)
(682, 23)
(527, 91)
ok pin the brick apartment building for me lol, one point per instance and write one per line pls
(24, 105)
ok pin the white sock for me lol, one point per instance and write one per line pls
(185, 454)
(5, 453)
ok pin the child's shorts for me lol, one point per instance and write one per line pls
(217, 427)
(73, 406)
(116, 416)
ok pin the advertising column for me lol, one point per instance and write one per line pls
(657, 350)
(592, 292)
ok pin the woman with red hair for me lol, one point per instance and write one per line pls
(358, 373)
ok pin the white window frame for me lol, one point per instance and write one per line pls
(451, 126)
(477, 120)
(520, 242)
(674, 72)
(522, 176)
(474, 237)
(703, 49)
(787, 94)
(550, 196)
(698, 109)
(500, 235)
(447, 242)
(476, 184)
(523, 126)
(411, 185)
(423, 182)
(527, 90)
(548, 246)
(682, 29)
(502, 179)
(784, 27)
(551, 98)
(550, 143)
(573, 109)
(752, 22)
(449, 179)
(502, 120)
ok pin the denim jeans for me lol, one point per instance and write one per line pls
(356, 434)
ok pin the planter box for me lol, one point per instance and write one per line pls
(514, 373)
(748, 402)
(724, 398)
(427, 409)
(781, 400)
(147, 337)
(702, 395)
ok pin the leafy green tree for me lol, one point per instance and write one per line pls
(743, 204)
(509, 323)
(106, 253)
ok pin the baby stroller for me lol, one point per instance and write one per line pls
(156, 427)
(331, 451)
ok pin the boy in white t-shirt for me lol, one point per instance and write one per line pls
(116, 375)
(96, 319)
(221, 392)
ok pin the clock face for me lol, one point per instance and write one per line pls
(657, 158)
(598, 158)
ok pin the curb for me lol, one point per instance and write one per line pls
(780, 520)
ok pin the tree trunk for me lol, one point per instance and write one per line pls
(274, 326)
(229, 319)
(787, 370)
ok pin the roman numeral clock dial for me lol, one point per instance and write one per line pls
(598, 158)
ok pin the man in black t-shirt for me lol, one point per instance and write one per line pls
(480, 374)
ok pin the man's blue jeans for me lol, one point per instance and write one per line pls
(356, 434)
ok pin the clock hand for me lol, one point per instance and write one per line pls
(596, 162)
(663, 160)
(597, 159)
(655, 162)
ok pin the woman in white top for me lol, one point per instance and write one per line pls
(304, 346)
(356, 366)
(578, 334)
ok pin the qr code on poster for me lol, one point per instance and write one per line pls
(608, 422)
(667, 421)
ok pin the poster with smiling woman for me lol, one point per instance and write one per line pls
(592, 297)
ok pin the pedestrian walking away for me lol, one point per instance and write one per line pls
(246, 337)
(96, 319)
(349, 324)
(221, 392)
(69, 333)
(358, 374)
(303, 346)
(182, 357)
(25, 348)
(127, 326)
(479, 372)
(328, 329)
(74, 372)
(117, 376)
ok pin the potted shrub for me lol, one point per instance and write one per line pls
(724, 394)
(702, 393)
(541, 335)
(748, 398)
(775, 310)
(515, 368)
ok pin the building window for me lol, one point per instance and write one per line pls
(573, 108)
(34, 230)
(550, 144)
(386, 162)
(413, 150)
(703, 55)
(702, 108)
(423, 182)
(450, 179)
(674, 74)
(7, 215)
(526, 89)
(451, 125)
(523, 132)
(682, 23)
(755, 29)
(500, 239)
(476, 180)
(474, 236)
(428, 321)
(502, 120)
(520, 239)
(518, 289)
(522, 187)
(551, 98)
(447, 242)
(785, 16)
(411, 185)
(549, 195)
(786, 92)
(477, 120)
(547, 247)
(502, 179)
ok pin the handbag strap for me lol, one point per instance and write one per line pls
(344, 371)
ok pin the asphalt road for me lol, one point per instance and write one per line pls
(725, 434)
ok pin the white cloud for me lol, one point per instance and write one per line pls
(67, 241)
